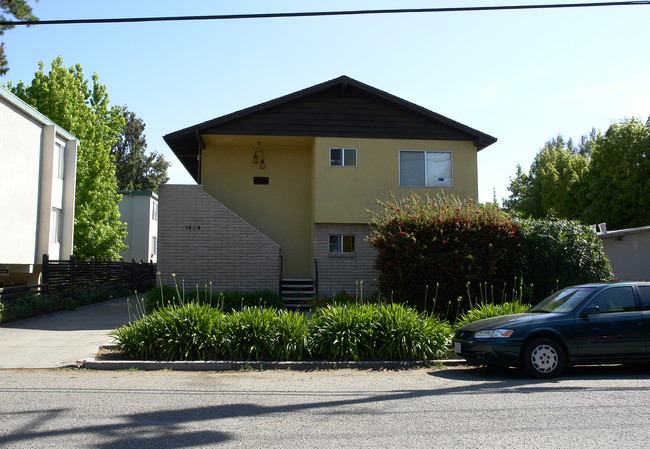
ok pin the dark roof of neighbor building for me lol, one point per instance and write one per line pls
(342, 107)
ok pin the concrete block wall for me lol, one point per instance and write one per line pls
(200, 240)
(338, 272)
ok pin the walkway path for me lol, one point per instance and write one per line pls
(61, 339)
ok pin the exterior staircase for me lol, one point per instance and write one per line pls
(297, 293)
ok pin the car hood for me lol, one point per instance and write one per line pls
(504, 321)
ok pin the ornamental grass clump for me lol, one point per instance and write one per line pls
(189, 331)
(428, 249)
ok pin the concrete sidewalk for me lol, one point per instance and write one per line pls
(63, 338)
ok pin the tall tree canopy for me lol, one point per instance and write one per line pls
(134, 168)
(606, 178)
(83, 109)
(20, 10)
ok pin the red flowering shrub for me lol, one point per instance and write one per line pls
(429, 249)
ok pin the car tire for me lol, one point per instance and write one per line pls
(543, 358)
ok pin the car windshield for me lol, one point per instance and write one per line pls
(564, 300)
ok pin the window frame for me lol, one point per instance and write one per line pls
(58, 160)
(56, 225)
(447, 184)
(341, 244)
(343, 163)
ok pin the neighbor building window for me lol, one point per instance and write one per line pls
(341, 244)
(154, 211)
(56, 226)
(425, 169)
(343, 157)
(154, 245)
(58, 161)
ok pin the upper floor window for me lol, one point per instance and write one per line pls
(343, 157)
(58, 161)
(425, 169)
(154, 211)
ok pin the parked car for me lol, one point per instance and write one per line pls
(582, 324)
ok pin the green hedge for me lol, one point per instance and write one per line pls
(429, 249)
(558, 253)
(194, 331)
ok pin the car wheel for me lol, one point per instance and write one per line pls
(543, 358)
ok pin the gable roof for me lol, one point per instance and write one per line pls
(342, 107)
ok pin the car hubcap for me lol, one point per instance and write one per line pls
(544, 358)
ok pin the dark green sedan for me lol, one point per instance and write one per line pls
(583, 324)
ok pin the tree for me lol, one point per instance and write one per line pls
(67, 98)
(21, 11)
(605, 179)
(554, 181)
(619, 176)
(134, 168)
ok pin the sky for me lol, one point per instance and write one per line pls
(521, 76)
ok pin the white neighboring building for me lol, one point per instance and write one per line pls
(139, 211)
(38, 162)
(628, 251)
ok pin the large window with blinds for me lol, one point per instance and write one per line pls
(419, 168)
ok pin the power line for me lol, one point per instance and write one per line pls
(322, 13)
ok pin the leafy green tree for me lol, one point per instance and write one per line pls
(606, 178)
(553, 184)
(619, 176)
(66, 97)
(21, 11)
(134, 168)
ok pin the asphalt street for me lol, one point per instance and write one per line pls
(453, 407)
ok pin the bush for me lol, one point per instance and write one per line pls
(194, 331)
(489, 310)
(428, 249)
(559, 253)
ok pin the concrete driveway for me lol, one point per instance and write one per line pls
(61, 339)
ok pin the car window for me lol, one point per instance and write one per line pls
(615, 299)
(564, 300)
(644, 293)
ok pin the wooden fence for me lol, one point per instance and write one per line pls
(59, 275)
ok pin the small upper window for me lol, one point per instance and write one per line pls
(58, 162)
(343, 157)
(154, 211)
(341, 244)
(425, 169)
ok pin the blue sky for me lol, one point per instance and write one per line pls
(521, 76)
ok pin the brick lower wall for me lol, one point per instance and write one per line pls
(342, 271)
(202, 241)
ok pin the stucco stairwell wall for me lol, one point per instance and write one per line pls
(202, 241)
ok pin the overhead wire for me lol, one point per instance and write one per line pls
(325, 13)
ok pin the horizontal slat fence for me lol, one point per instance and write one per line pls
(59, 275)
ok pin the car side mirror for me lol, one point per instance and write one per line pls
(589, 310)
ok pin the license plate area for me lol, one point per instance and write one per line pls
(457, 347)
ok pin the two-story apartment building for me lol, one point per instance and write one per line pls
(38, 162)
(139, 211)
(295, 176)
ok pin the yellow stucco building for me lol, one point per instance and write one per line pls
(302, 171)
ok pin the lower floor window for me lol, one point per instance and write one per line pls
(341, 244)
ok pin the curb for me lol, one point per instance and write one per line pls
(227, 365)
(238, 365)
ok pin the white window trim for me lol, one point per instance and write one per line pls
(356, 153)
(56, 225)
(426, 175)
